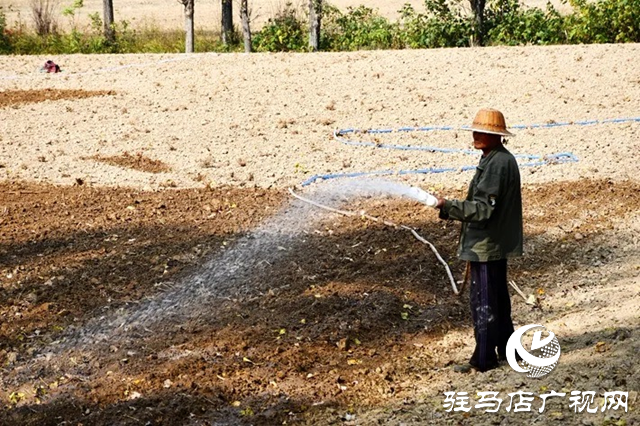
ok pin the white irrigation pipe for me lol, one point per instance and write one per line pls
(517, 289)
(385, 222)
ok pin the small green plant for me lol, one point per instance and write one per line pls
(299, 168)
(70, 12)
(247, 412)
(16, 397)
(96, 22)
(71, 9)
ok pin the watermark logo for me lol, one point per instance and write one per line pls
(544, 354)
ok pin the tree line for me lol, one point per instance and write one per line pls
(503, 22)
(228, 29)
(322, 26)
(227, 33)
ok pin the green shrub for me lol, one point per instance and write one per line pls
(604, 21)
(284, 33)
(442, 26)
(146, 40)
(358, 28)
(507, 22)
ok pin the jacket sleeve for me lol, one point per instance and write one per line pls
(483, 200)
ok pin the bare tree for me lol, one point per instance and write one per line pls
(246, 29)
(188, 24)
(315, 16)
(227, 22)
(109, 29)
(43, 12)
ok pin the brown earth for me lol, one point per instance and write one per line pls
(135, 162)
(330, 339)
(21, 97)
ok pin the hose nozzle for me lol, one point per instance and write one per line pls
(422, 196)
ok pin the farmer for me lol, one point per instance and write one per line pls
(51, 67)
(491, 217)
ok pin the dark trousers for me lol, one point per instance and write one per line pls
(491, 312)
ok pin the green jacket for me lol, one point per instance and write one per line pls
(491, 215)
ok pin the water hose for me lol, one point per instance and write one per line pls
(387, 223)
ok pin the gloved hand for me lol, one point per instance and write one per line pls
(422, 196)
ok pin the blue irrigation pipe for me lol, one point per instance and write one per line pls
(342, 132)
(536, 160)
(563, 157)
(338, 135)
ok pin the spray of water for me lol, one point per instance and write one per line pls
(226, 275)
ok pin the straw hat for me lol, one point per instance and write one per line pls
(490, 121)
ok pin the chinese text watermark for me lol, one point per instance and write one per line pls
(519, 401)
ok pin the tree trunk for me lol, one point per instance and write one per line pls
(188, 25)
(227, 22)
(315, 16)
(109, 30)
(246, 29)
(478, 11)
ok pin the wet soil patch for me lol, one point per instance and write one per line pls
(134, 161)
(20, 97)
(349, 316)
